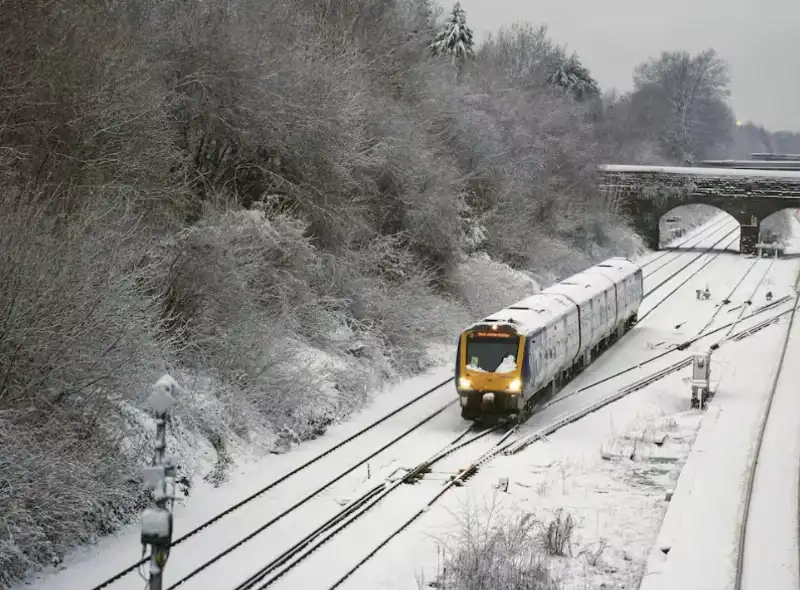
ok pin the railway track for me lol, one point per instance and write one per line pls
(512, 443)
(712, 257)
(297, 553)
(743, 308)
(756, 324)
(729, 297)
(313, 494)
(742, 545)
(304, 466)
(279, 567)
(708, 251)
(339, 446)
(695, 241)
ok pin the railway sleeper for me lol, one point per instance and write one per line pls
(463, 475)
(418, 475)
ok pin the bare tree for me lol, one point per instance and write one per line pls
(522, 55)
(683, 100)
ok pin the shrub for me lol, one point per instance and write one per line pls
(557, 535)
(487, 286)
(499, 550)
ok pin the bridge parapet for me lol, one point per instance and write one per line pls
(645, 193)
(655, 181)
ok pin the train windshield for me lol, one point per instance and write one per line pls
(492, 354)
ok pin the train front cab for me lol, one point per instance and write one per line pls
(489, 382)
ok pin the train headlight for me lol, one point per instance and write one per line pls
(464, 383)
(515, 386)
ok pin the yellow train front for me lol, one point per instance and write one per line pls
(491, 371)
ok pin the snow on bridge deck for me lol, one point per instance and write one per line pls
(691, 171)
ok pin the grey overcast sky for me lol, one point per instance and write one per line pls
(760, 39)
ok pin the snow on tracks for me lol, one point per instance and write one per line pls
(701, 541)
(269, 487)
(769, 554)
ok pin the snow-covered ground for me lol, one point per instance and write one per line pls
(586, 468)
(611, 470)
(771, 548)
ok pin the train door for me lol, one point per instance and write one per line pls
(535, 358)
(598, 311)
(587, 325)
(626, 298)
(639, 285)
(576, 332)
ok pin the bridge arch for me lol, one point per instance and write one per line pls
(747, 216)
(673, 225)
(779, 225)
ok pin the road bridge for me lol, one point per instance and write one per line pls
(646, 193)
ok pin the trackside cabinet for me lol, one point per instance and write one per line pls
(701, 379)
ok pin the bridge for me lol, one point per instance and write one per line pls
(752, 164)
(646, 193)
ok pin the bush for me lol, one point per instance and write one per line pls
(65, 483)
(487, 286)
(499, 550)
(557, 536)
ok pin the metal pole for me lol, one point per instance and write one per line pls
(157, 520)
(159, 554)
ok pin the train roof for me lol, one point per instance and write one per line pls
(586, 284)
(581, 287)
(618, 262)
(529, 314)
(616, 269)
(538, 310)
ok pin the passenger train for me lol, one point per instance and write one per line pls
(508, 360)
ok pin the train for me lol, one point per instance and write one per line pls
(511, 359)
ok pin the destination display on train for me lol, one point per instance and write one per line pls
(492, 335)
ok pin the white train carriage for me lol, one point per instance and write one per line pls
(628, 283)
(552, 335)
(540, 342)
(606, 297)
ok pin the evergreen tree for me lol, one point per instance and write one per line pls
(573, 78)
(455, 38)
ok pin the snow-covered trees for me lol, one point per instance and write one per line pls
(455, 38)
(749, 138)
(574, 79)
(682, 99)
(522, 55)
(526, 57)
